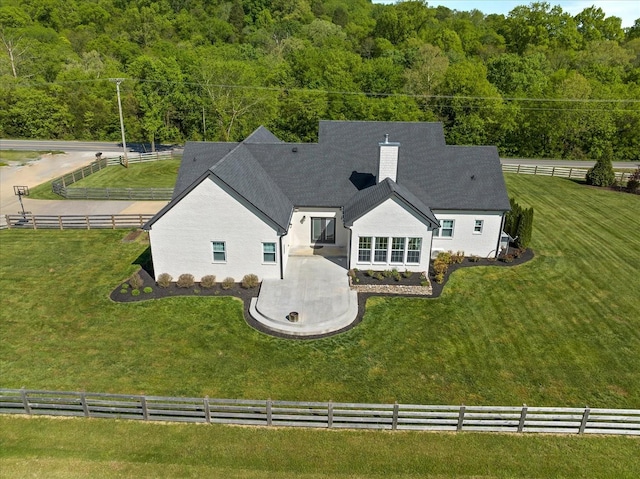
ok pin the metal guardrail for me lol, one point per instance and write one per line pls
(523, 419)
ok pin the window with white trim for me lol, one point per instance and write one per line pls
(413, 250)
(364, 249)
(445, 230)
(219, 251)
(477, 227)
(380, 252)
(268, 252)
(397, 250)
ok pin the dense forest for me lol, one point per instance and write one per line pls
(537, 82)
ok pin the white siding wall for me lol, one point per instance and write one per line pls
(300, 231)
(464, 238)
(391, 219)
(181, 239)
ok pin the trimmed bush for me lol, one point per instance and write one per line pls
(379, 276)
(407, 274)
(164, 280)
(135, 292)
(370, 273)
(136, 281)
(148, 289)
(602, 173)
(439, 278)
(185, 280)
(458, 257)
(208, 281)
(250, 281)
(228, 283)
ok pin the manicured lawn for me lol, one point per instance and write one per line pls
(154, 174)
(82, 448)
(562, 330)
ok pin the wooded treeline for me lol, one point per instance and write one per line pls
(537, 82)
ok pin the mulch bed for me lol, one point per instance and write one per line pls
(245, 295)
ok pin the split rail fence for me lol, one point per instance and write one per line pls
(66, 222)
(60, 185)
(559, 171)
(522, 419)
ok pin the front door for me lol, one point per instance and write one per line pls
(323, 230)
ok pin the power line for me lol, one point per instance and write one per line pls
(355, 93)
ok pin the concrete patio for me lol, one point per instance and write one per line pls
(317, 288)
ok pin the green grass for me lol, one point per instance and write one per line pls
(155, 174)
(87, 448)
(19, 155)
(562, 330)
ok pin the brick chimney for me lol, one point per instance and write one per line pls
(388, 160)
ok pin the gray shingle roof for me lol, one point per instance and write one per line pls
(367, 199)
(274, 176)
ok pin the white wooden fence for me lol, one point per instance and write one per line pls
(523, 419)
(559, 171)
(66, 222)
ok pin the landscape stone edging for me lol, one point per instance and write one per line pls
(400, 289)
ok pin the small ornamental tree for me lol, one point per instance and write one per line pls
(602, 173)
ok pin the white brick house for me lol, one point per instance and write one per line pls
(382, 194)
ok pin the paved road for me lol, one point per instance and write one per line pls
(37, 145)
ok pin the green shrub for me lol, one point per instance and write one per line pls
(407, 274)
(519, 224)
(633, 184)
(125, 286)
(228, 283)
(135, 292)
(387, 273)
(371, 273)
(148, 289)
(379, 276)
(474, 258)
(208, 281)
(164, 280)
(602, 173)
(250, 281)
(136, 281)
(185, 280)
(439, 278)
(508, 258)
(424, 283)
(395, 274)
(440, 267)
(123, 291)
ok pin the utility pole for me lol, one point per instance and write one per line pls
(125, 158)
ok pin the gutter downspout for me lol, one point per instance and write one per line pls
(281, 258)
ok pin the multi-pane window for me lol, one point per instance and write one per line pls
(269, 252)
(380, 252)
(219, 251)
(477, 227)
(397, 250)
(364, 249)
(413, 250)
(445, 230)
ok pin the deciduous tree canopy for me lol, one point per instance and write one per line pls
(536, 82)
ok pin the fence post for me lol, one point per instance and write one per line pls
(8, 220)
(25, 401)
(570, 172)
(83, 401)
(394, 420)
(461, 418)
(88, 224)
(330, 415)
(207, 410)
(518, 171)
(145, 411)
(553, 169)
(535, 170)
(585, 418)
(60, 222)
(269, 414)
(523, 416)
(113, 222)
(33, 218)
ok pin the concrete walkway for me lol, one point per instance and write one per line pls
(317, 288)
